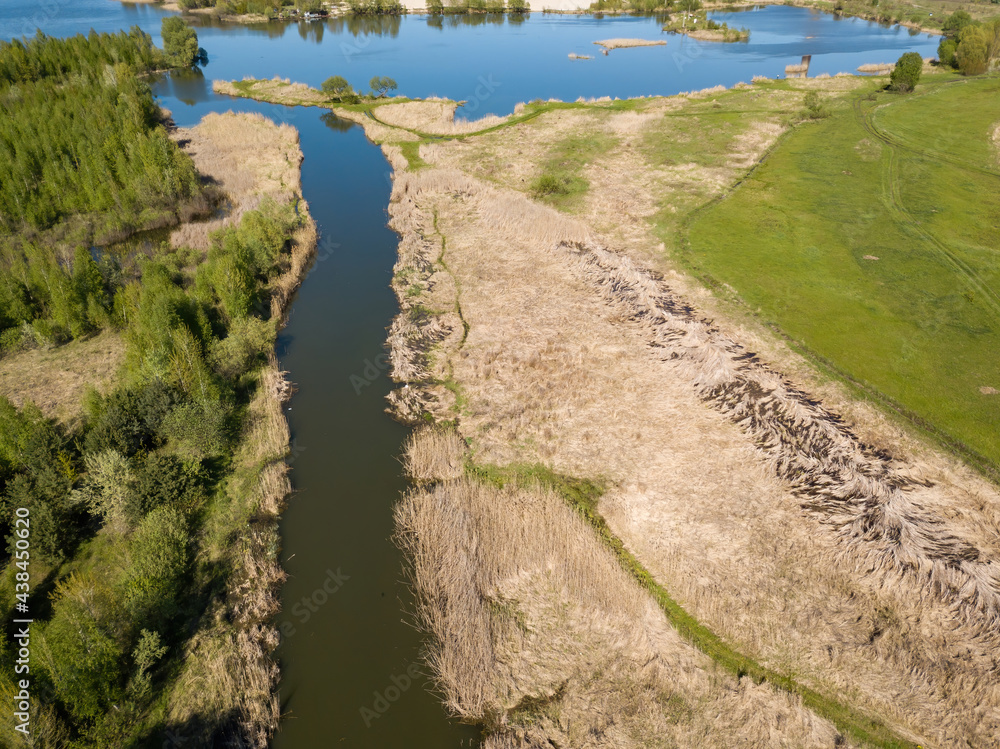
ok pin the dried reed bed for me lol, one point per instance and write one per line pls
(249, 158)
(433, 117)
(56, 379)
(277, 90)
(881, 68)
(610, 44)
(540, 635)
(796, 68)
(547, 375)
(575, 56)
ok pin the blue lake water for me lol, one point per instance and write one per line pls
(349, 653)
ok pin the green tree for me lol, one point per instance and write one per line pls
(973, 53)
(158, 562)
(906, 74)
(180, 42)
(83, 661)
(337, 87)
(946, 52)
(381, 86)
(956, 22)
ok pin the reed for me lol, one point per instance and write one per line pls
(539, 634)
(620, 43)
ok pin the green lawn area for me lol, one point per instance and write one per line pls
(872, 239)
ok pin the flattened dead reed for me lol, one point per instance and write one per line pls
(434, 117)
(854, 488)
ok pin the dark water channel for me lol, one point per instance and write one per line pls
(350, 674)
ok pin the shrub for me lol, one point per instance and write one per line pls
(946, 52)
(131, 419)
(83, 661)
(158, 562)
(956, 22)
(518, 6)
(54, 518)
(906, 74)
(166, 481)
(547, 185)
(972, 55)
(196, 431)
(815, 109)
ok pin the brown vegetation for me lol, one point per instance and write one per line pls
(544, 639)
(626, 43)
(249, 158)
(879, 68)
(573, 341)
(433, 117)
(56, 379)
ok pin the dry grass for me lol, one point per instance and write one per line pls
(249, 158)
(996, 142)
(56, 379)
(433, 454)
(881, 68)
(575, 56)
(277, 90)
(539, 634)
(766, 516)
(626, 43)
(796, 68)
(433, 117)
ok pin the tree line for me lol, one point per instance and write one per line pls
(972, 47)
(85, 160)
(118, 506)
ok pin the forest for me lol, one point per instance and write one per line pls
(86, 160)
(122, 505)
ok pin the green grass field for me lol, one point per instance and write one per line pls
(872, 240)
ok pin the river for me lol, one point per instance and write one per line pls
(348, 653)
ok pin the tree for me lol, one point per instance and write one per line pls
(180, 42)
(337, 87)
(973, 53)
(381, 86)
(956, 22)
(946, 52)
(906, 74)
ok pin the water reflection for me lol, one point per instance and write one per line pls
(336, 123)
(188, 86)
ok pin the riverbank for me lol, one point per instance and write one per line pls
(585, 351)
(228, 667)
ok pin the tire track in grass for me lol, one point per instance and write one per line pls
(894, 202)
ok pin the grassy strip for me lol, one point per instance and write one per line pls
(583, 496)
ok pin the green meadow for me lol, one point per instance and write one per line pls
(871, 239)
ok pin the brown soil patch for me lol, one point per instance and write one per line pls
(56, 379)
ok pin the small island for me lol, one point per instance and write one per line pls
(693, 21)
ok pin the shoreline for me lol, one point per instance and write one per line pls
(245, 648)
(421, 10)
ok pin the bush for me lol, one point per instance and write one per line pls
(956, 22)
(815, 109)
(166, 481)
(906, 74)
(84, 663)
(547, 185)
(131, 419)
(158, 562)
(946, 52)
(972, 56)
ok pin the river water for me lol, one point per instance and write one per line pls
(349, 656)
